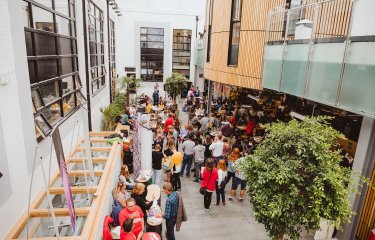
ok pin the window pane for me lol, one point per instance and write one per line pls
(92, 34)
(45, 44)
(65, 47)
(46, 3)
(95, 86)
(93, 61)
(25, 14)
(62, 6)
(62, 26)
(35, 96)
(47, 69)
(67, 85)
(68, 104)
(50, 92)
(43, 20)
(74, 47)
(156, 31)
(32, 75)
(75, 64)
(29, 43)
(233, 58)
(66, 65)
(41, 123)
(52, 113)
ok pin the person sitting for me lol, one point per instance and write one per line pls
(138, 195)
(148, 107)
(125, 178)
(200, 111)
(132, 211)
(127, 227)
(120, 197)
(161, 105)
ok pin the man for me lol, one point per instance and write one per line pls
(155, 97)
(134, 212)
(168, 122)
(197, 93)
(199, 158)
(157, 158)
(204, 123)
(239, 179)
(217, 149)
(188, 148)
(228, 131)
(171, 210)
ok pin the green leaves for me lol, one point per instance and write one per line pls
(295, 179)
(176, 84)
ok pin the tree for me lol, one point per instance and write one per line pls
(129, 83)
(295, 178)
(175, 85)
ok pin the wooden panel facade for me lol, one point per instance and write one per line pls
(333, 20)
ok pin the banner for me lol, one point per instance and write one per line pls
(64, 175)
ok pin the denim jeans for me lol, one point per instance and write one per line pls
(198, 166)
(188, 160)
(220, 192)
(156, 176)
(170, 223)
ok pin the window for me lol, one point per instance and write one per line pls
(181, 51)
(295, 15)
(152, 54)
(112, 47)
(96, 43)
(211, 4)
(234, 35)
(51, 46)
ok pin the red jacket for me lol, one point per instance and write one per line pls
(106, 229)
(167, 123)
(249, 127)
(211, 186)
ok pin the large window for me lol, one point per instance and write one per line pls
(295, 15)
(112, 46)
(96, 39)
(152, 54)
(51, 44)
(210, 14)
(234, 36)
(181, 51)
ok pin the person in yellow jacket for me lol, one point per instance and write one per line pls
(176, 162)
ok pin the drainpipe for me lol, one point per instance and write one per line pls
(109, 55)
(88, 96)
(196, 37)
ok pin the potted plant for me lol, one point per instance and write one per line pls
(109, 116)
(175, 85)
(295, 178)
(129, 83)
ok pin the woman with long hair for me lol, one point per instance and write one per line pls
(167, 154)
(209, 178)
(221, 182)
(140, 200)
(120, 196)
(125, 178)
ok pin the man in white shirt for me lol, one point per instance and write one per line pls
(217, 149)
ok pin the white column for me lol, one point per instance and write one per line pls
(146, 141)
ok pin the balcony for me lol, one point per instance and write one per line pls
(199, 52)
(310, 53)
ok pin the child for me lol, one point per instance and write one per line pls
(221, 182)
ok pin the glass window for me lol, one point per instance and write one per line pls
(45, 44)
(235, 29)
(67, 85)
(69, 103)
(66, 65)
(62, 6)
(47, 69)
(29, 43)
(65, 46)
(62, 26)
(50, 92)
(32, 74)
(181, 51)
(46, 3)
(43, 20)
(37, 99)
(52, 113)
(42, 124)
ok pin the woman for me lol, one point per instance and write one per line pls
(120, 197)
(209, 178)
(231, 159)
(125, 178)
(175, 166)
(221, 182)
(138, 196)
(226, 148)
(168, 153)
(207, 143)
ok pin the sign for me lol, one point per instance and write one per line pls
(64, 175)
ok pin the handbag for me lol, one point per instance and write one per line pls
(203, 190)
(223, 183)
(166, 164)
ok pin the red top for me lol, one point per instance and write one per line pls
(128, 236)
(151, 236)
(211, 186)
(249, 127)
(106, 230)
(167, 123)
(136, 215)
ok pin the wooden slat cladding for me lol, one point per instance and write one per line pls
(333, 21)
(367, 220)
(253, 25)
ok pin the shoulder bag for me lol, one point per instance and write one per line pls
(203, 190)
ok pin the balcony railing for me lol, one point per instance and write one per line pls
(310, 53)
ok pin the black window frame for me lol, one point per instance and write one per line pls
(151, 58)
(112, 45)
(233, 21)
(185, 42)
(98, 70)
(46, 44)
(209, 31)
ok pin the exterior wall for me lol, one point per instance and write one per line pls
(175, 14)
(253, 25)
(363, 24)
(16, 116)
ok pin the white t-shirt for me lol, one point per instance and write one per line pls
(217, 148)
(222, 174)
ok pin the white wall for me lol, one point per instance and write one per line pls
(363, 23)
(17, 121)
(167, 14)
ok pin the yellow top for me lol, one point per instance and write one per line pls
(148, 108)
(176, 159)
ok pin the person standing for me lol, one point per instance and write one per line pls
(176, 161)
(168, 153)
(209, 178)
(232, 158)
(221, 182)
(171, 210)
(199, 151)
(132, 211)
(155, 97)
(217, 149)
(168, 122)
(239, 179)
(157, 158)
(228, 131)
(188, 148)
